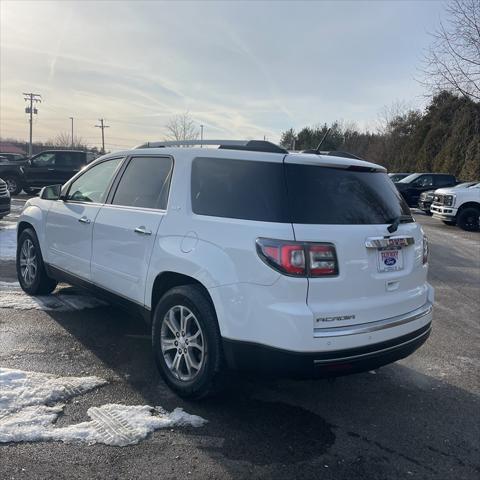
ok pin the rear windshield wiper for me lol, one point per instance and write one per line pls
(395, 222)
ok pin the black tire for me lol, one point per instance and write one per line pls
(14, 184)
(42, 284)
(208, 378)
(468, 219)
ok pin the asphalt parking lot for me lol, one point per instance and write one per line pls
(418, 418)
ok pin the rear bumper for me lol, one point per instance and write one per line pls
(267, 360)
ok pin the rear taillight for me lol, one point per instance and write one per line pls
(425, 250)
(299, 259)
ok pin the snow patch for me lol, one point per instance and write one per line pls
(8, 242)
(27, 412)
(12, 296)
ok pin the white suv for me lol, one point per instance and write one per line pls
(241, 257)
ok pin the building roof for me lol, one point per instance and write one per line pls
(6, 147)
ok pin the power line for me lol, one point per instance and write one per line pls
(103, 127)
(31, 97)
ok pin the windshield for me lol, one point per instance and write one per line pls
(338, 196)
(410, 178)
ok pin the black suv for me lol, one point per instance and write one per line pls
(4, 199)
(411, 187)
(49, 167)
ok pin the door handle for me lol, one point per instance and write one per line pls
(50, 169)
(143, 230)
(84, 220)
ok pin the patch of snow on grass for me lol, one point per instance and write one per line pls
(12, 296)
(30, 403)
(8, 242)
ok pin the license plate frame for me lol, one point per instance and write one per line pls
(390, 259)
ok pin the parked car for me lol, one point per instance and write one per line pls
(459, 206)
(396, 177)
(12, 157)
(426, 198)
(53, 167)
(412, 186)
(231, 271)
(4, 199)
(12, 175)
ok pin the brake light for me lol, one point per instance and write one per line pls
(299, 259)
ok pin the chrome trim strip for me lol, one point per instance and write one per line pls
(383, 242)
(375, 352)
(374, 326)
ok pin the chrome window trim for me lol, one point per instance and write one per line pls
(374, 326)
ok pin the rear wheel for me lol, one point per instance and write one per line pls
(187, 343)
(13, 184)
(31, 272)
(468, 219)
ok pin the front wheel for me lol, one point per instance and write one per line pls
(13, 184)
(468, 219)
(187, 343)
(31, 272)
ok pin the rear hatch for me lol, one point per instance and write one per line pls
(351, 205)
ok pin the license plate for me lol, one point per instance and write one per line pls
(390, 260)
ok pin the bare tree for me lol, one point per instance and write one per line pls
(453, 60)
(181, 127)
(64, 139)
(388, 113)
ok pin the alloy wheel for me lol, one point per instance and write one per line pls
(182, 343)
(28, 262)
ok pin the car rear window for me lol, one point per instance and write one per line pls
(293, 193)
(337, 196)
(240, 189)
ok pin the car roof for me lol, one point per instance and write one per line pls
(304, 158)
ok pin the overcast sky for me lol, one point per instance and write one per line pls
(243, 69)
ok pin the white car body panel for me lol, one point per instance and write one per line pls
(121, 256)
(68, 240)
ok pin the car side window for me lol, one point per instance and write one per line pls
(424, 181)
(443, 180)
(145, 183)
(68, 160)
(46, 159)
(93, 184)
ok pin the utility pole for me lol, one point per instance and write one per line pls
(31, 97)
(71, 118)
(201, 136)
(103, 127)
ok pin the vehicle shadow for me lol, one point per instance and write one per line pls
(362, 425)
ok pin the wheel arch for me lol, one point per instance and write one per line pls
(465, 205)
(167, 280)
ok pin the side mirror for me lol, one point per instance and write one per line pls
(52, 192)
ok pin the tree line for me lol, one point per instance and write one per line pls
(445, 137)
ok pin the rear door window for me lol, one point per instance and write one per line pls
(242, 189)
(145, 183)
(337, 196)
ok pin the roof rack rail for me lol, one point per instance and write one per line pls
(334, 153)
(249, 145)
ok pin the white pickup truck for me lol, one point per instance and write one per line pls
(459, 206)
